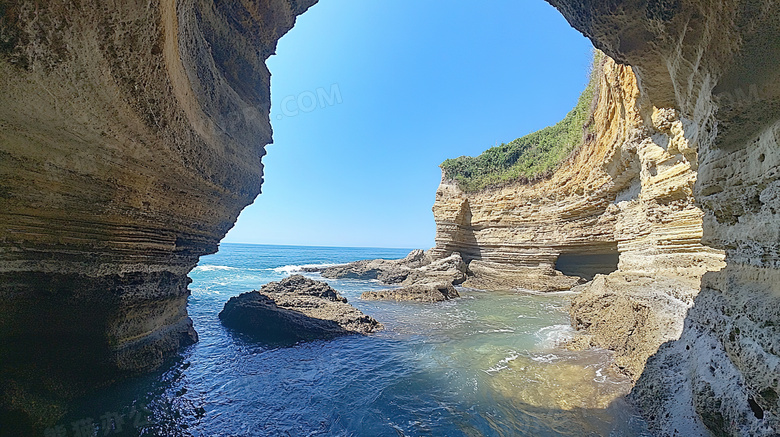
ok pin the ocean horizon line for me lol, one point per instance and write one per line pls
(319, 246)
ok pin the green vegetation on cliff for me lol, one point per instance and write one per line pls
(531, 157)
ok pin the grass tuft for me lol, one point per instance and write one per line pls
(534, 156)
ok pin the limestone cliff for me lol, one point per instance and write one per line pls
(717, 63)
(131, 135)
(628, 190)
(693, 164)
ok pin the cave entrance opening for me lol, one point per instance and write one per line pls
(589, 262)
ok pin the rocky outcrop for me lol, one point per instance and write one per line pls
(415, 268)
(667, 180)
(295, 309)
(716, 63)
(388, 271)
(131, 136)
(631, 314)
(421, 278)
(628, 192)
(415, 293)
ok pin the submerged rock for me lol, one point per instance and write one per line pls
(295, 309)
(415, 293)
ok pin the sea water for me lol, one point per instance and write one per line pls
(488, 363)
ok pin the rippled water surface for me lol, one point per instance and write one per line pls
(484, 364)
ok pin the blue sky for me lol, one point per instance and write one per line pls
(369, 97)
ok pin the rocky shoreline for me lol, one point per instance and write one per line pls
(419, 277)
(424, 268)
(132, 138)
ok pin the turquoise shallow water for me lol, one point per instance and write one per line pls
(484, 364)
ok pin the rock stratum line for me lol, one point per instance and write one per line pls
(627, 191)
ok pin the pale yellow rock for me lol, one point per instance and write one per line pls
(716, 63)
(631, 189)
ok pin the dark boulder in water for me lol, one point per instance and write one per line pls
(295, 309)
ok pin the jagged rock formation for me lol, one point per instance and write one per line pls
(415, 293)
(295, 309)
(130, 139)
(422, 278)
(417, 268)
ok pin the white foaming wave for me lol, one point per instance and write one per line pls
(522, 291)
(547, 358)
(503, 363)
(555, 335)
(293, 268)
(606, 379)
(212, 268)
(495, 331)
(202, 291)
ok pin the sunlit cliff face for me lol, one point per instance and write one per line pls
(717, 64)
(131, 139)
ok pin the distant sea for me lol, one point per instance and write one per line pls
(489, 363)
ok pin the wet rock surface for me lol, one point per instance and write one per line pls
(415, 268)
(415, 293)
(295, 309)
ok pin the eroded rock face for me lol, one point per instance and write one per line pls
(717, 63)
(628, 190)
(130, 139)
(415, 293)
(295, 309)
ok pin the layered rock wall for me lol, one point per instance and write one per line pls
(131, 135)
(627, 190)
(717, 63)
(708, 106)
